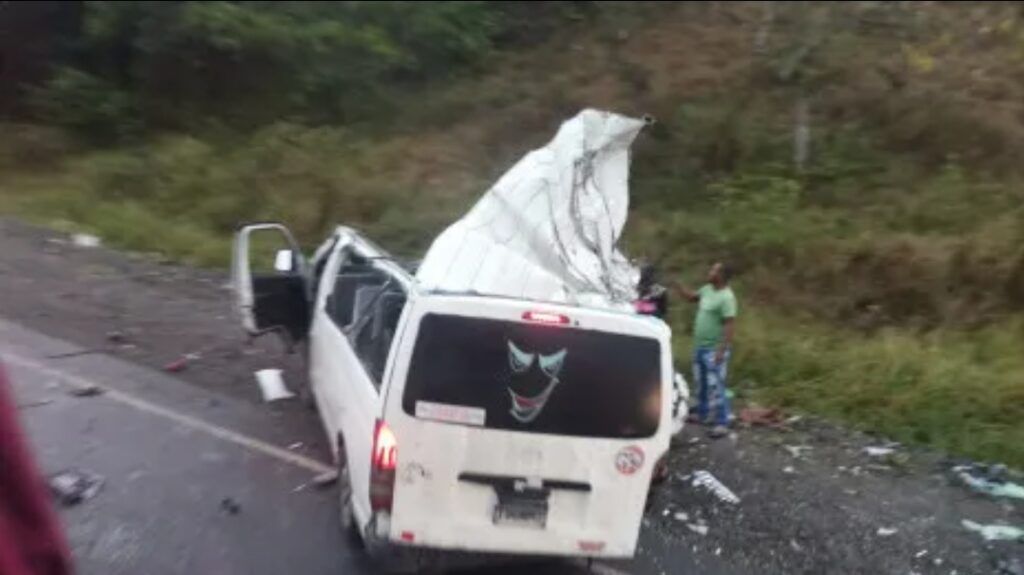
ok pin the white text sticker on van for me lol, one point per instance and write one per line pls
(450, 413)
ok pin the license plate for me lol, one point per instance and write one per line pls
(529, 511)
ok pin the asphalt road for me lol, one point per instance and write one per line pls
(172, 455)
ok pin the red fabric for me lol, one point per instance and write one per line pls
(31, 542)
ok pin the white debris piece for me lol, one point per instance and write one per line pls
(85, 240)
(547, 230)
(682, 516)
(886, 531)
(711, 483)
(876, 451)
(272, 385)
(796, 450)
(698, 528)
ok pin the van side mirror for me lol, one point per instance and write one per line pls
(284, 261)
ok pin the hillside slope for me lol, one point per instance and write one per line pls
(860, 163)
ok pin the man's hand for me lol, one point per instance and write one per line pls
(719, 354)
(728, 329)
(682, 290)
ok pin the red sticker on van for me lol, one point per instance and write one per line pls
(629, 460)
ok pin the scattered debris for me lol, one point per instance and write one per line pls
(757, 415)
(793, 419)
(86, 390)
(988, 480)
(705, 479)
(878, 451)
(682, 516)
(294, 446)
(886, 531)
(1010, 567)
(325, 479)
(230, 506)
(85, 240)
(73, 486)
(797, 450)
(796, 546)
(300, 487)
(788, 470)
(920, 554)
(995, 532)
(699, 528)
(272, 385)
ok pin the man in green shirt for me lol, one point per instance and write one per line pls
(713, 330)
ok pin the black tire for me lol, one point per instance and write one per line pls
(346, 516)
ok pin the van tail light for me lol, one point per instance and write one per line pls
(546, 317)
(383, 461)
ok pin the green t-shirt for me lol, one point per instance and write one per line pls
(714, 308)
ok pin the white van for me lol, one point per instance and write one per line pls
(468, 423)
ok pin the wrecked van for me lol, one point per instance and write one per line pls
(505, 398)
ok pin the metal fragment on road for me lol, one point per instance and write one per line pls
(85, 391)
(878, 451)
(698, 528)
(73, 486)
(325, 479)
(272, 385)
(886, 531)
(681, 516)
(995, 532)
(992, 485)
(708, 481)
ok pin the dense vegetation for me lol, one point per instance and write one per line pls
(860, 162)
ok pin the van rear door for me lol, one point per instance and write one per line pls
(526, 430)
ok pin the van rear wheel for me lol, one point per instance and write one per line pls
(345, 514)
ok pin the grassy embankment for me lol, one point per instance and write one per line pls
(882, 283)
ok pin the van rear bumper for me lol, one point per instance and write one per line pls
(409, 557)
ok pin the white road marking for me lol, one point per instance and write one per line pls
(189, 421)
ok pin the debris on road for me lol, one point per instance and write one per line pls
(698, 528)
(886, 531)
(797, 451)
(116, 336)
(681, 516)
(85, 391)
(325, 479)
(294, 446)
(995, 532)
(85, 240)
(711, 483)
(1010, 567)
(230, 506)
(73, 486)
(788, 470)
(878, 451)
(756, 415)
(272, 385)
(988, 480)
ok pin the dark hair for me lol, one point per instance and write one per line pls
(726, 270)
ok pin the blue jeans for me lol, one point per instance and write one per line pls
(710, 378)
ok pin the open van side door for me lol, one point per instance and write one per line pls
(270, 278)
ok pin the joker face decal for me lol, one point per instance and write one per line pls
(533, 378)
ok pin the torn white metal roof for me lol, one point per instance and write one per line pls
(548, 228)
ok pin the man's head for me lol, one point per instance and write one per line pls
(719, 274)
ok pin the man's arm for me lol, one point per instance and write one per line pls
(687, 293)
(728, 327)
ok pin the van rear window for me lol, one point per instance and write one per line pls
(534, 378)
